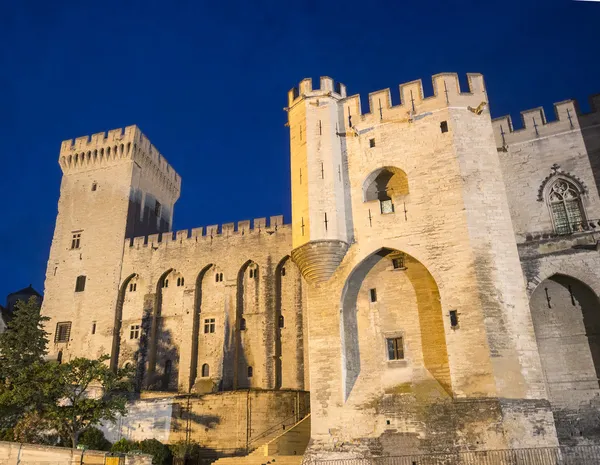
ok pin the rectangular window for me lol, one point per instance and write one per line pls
(209, 325)
(444, 126)
(80, 284)
(395, 347)
(76, 240)
(371, 143)
(63, 332)
(373, 295)
(386, 206)
(398, 262)
(453, 318)
(134, 332)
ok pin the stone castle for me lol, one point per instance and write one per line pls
(436, 290)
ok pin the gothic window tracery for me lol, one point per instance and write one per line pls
(564, 200)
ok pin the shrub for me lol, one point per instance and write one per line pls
(94, 439)
(161, 455)
(124, 445)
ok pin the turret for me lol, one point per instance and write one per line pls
(321, 215)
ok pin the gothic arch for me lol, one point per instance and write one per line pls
(156, 311)
(554, 176)
(565, 312)
(240, 356)
(116, 342)
(196, 324)
(427, 302)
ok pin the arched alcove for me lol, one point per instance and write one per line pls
(247, 304)
(203, 277)
(154, 325)
(566, 320)
(116, 342)
(386, 185)
(391, 319)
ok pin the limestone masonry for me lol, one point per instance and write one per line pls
(436, 290)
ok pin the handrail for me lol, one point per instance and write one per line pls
(298, 416)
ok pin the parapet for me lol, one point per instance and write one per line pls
(535, 125)
(210, 233)
(100, 149)
(329, 87)
(446, 93)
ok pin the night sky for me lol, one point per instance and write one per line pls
(207, 82)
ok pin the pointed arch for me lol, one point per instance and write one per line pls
(196, 324)
(116, 342)
(428, 317)
(156, 311)
(240, 358)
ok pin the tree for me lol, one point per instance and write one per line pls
(27, 382)
(94, 439)
(90, 392)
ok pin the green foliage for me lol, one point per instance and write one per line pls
(38, 397)
(26, 380)
(90, 393)
(94, 439)
(183, 449)
(25, 340)
(161, 455)
(124, 445)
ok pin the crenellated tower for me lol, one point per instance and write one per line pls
(321, 213)
(114, 185)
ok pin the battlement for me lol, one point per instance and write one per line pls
(446, 93)
(210, 233)
(328, 87)
(91, 152)
(535, 125)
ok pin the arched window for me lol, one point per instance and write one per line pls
(565, 206)
(205, 370)
(384, 184)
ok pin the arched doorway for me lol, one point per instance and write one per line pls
(566, 320)
(392, 324)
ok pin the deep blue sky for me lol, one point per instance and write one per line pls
(207, 81)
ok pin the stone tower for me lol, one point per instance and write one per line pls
(402, 229)
(321, 217)
(114, 185)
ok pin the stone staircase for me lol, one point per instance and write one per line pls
(286, 448)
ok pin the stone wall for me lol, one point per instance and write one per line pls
(12, 453)
(223, 422)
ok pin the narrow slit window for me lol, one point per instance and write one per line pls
(281, 321)
(250, 372)
(157, 208)
(453, 318)
(444, 126)
(395, 348)
(80, 284)
(243, 324)
(283, 271)
(371, 143)
(373, 295)
(94, 327)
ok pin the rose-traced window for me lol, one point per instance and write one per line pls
(565, 206)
